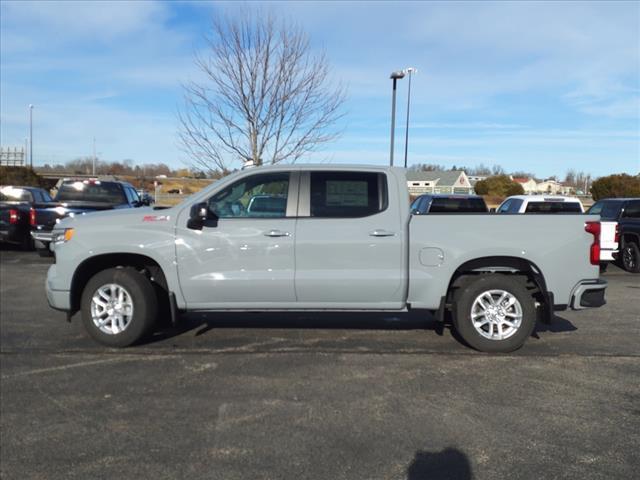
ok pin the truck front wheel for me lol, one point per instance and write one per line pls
(494, 313)
(118, 306)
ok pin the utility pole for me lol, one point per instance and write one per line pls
(409, 70)
(94, 156)
(394, 76)
(31, 135)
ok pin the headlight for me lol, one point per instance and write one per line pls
(63, 235)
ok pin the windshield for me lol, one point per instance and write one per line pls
(99, 192)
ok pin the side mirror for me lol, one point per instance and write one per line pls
(198, 215)
(145, 202)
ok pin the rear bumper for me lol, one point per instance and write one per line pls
(588, 294)
(608, 255)
(44, 237)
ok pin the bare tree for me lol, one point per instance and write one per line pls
(265, 97)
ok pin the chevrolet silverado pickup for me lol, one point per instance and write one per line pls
(322, 238)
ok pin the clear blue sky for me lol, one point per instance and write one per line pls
(541, 87)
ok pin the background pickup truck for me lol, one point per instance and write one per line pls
(322, 238)
(79, 197)
(620, 219)
(20, 208)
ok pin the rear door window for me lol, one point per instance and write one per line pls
(347, 194)
(632, 210)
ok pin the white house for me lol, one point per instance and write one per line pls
(438, 182)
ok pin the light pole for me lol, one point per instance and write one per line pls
(409, 71)
(394, 76)
(31, 134)
(94, 157)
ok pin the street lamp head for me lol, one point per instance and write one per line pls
(31, 105)
(410, 70)
(397, 74)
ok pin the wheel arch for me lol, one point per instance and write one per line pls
(507, 265)
(98, 263)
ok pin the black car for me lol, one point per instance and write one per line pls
(80, 197)
(19, 210)
(440, 203)
(625, 211)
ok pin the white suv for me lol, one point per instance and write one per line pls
(540, 204)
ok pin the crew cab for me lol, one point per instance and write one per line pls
(20, 208)
(441, 203)
(540, 204)
(325, 238)
(79, 197)
(620, 239)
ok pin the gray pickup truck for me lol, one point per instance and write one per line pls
(322, 238)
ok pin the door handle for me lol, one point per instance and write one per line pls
(382, 233)
(276, 233)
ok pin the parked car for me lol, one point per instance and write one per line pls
(620, 238)
(20, 207)
(342, 239)
(440, 203)
(540, 204)
(79, 197)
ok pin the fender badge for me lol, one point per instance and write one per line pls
(155, 218)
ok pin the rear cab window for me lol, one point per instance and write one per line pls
(553, 207)
(92, 191)
(347, 194)
(457, 205)
(608, 210)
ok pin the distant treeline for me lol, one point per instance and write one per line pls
(84, 166)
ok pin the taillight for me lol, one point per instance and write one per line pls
(616, 237)
(14, 216)
(32, 217)
(594, 253)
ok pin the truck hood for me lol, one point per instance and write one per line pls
(120, 217)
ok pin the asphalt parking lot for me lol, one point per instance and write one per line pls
(319, 396)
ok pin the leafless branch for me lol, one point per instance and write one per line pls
(265, 96)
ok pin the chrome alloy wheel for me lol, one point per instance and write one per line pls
(111, 308)
(628, 258)
(496, 314)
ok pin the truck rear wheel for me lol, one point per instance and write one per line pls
(119, 306)
(631, 257)
(494, 313)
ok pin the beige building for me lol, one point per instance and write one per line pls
(528, 184)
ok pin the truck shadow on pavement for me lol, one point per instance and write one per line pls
(449, 464)
(203, 322)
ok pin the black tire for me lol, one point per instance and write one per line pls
(45, 252)
(465, 298)
(630, 257)
(26, 244)
(144, 301)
